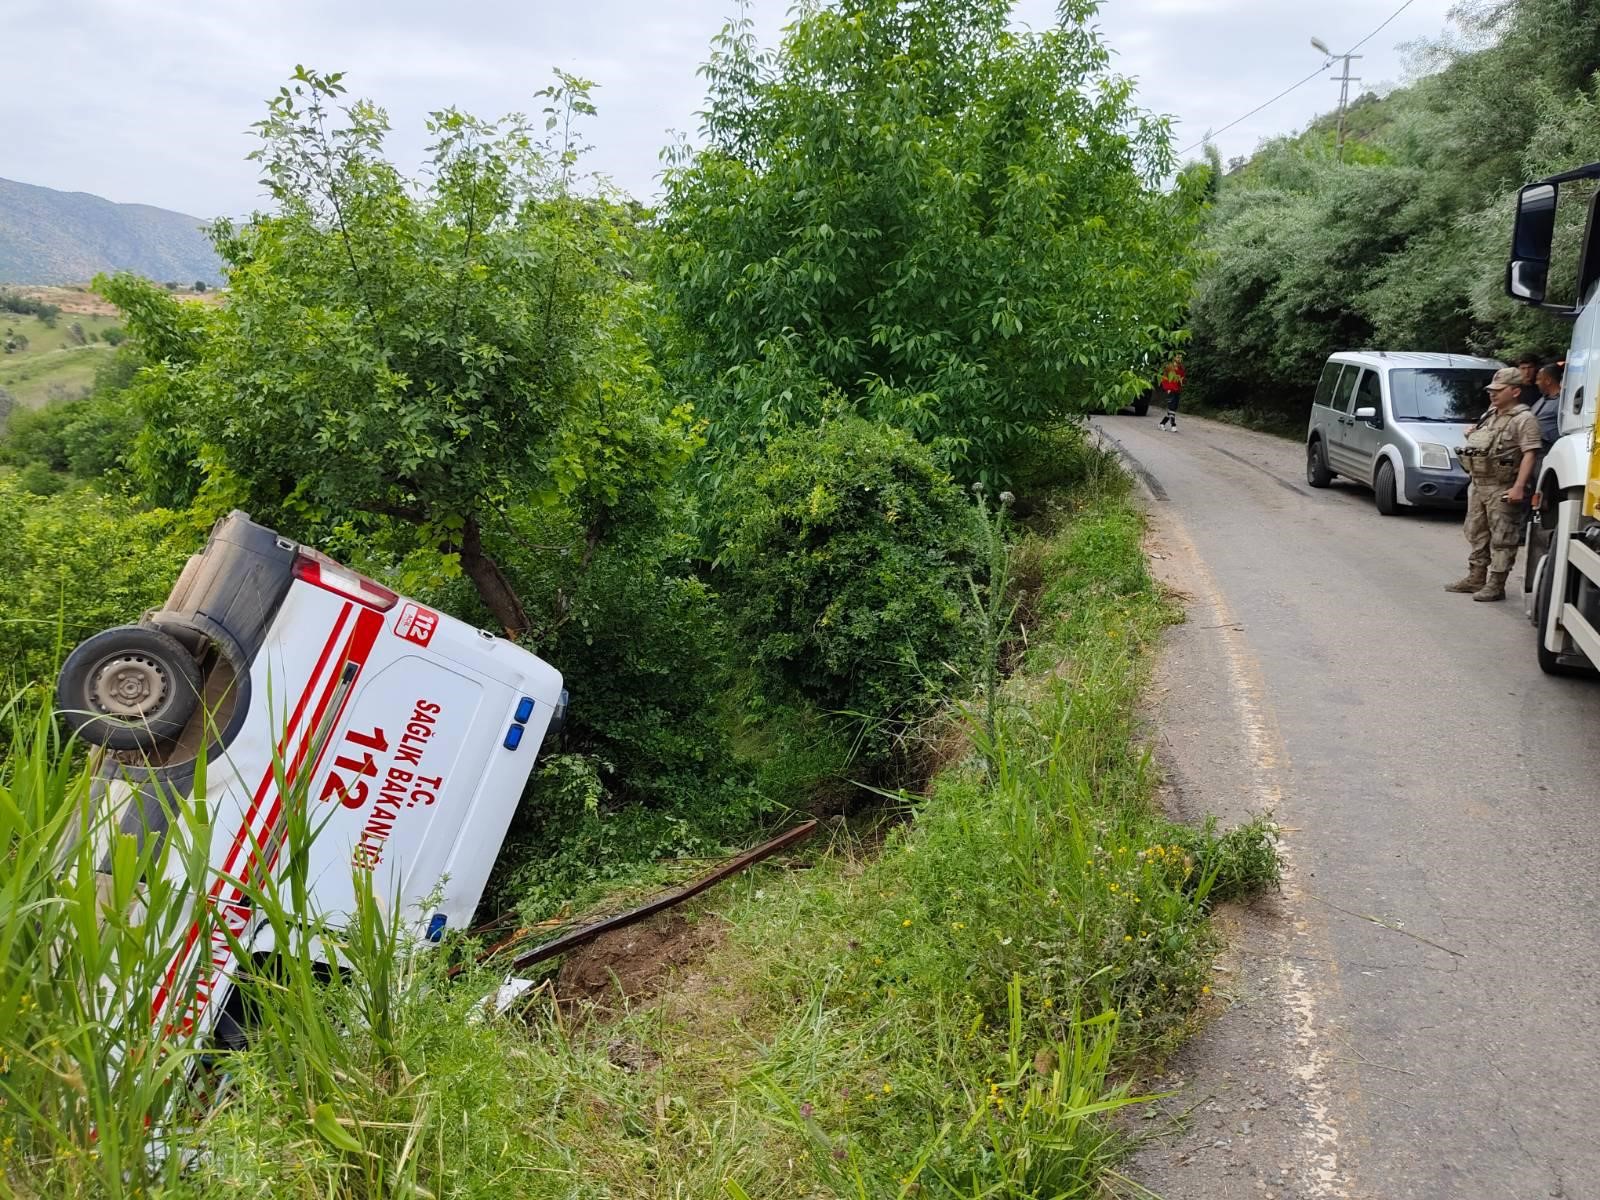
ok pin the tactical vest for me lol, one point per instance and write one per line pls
(1488, 459)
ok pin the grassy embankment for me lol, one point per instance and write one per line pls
(953, 1009)
(54, 364)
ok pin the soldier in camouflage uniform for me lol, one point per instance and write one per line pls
(1499, 454)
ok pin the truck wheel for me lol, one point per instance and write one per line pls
(1317, 473)
(1383, 489)
(128, 688)
(1549, 662)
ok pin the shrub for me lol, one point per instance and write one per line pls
(74, 564)
(16, 302)
(84, 438)
(846, 557)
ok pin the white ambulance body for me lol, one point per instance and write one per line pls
(409, 735)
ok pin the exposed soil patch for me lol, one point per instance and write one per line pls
(633, 964)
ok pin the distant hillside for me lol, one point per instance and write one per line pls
(48, 236)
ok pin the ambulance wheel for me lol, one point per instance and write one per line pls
(128, 688)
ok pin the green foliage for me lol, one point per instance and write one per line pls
(845, 556)
(73, 564)
(1403, 245)
(420, 353)
(952, 224)
(16, 302)
(86, 439)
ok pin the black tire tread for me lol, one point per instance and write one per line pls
(1317, 473)
(1383, 489)
(72, 695)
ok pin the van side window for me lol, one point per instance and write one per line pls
(1330, 376)
(1346, 389)
(1369, 392)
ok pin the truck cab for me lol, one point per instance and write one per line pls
(1562, 584)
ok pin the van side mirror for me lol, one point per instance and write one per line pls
(1528, 272)
(1368, 414)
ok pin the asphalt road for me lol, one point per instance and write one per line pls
(1437, 948)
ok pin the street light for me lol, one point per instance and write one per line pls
(1345, 80)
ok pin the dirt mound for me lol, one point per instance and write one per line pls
(633, 964)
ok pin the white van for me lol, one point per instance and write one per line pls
(415, 732)
(1392, 421)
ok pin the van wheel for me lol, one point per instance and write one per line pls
(1383, 489)
(1317, 473)
(128, 688)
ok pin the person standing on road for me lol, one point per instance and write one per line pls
(1171, 382)
(1528, 385)
(1547, 410)
(1500, 454)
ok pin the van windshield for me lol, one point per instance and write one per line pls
(1439, 393)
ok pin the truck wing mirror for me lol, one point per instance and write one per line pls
(1529, 269)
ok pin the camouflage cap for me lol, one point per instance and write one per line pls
(1505, 377)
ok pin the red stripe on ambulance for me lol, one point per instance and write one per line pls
(231, 912)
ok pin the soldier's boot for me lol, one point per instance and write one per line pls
(1470, 582)
(1494, 589)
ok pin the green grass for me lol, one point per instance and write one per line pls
(44, 338)
(54, 365)
(952, 1009)
(36, 379)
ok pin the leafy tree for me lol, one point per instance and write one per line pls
(1402, 245)
(953, 224)
(414, 353)
(199, 286)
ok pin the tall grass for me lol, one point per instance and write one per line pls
(87, 921)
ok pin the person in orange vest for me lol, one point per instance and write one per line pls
(1171, 382)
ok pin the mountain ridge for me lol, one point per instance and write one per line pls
(55, 237)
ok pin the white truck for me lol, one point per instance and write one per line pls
(408, 734)
(1562, 582)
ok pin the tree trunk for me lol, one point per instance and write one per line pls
(494, 589)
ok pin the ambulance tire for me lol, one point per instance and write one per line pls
(128, 688)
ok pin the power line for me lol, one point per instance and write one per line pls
(1213, 133)
(1380, 28)
(1331, 60)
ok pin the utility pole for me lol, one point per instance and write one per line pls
(1345, 80)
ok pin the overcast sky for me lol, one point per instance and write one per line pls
(150, 101)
